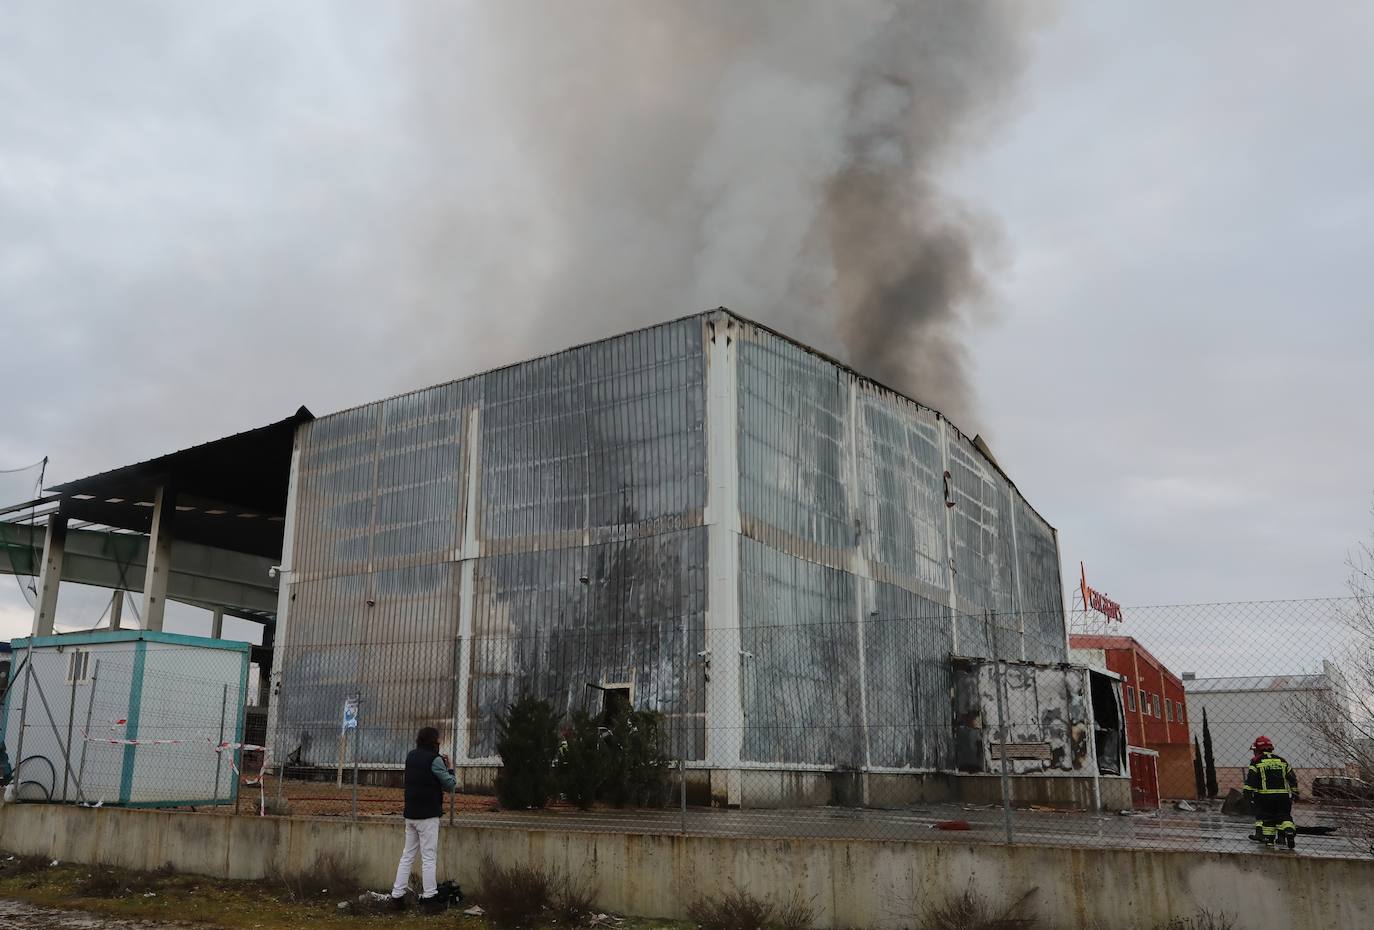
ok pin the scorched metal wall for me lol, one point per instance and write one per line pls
(788, 593)
(531, 529)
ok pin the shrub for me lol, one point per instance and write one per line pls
(639, 771)
(516, 895)
(527, 740)
(970, 912)
(738, 910)
(582, 761)
(329, 876)
(796, 914)
(573, 903)
(23, 865)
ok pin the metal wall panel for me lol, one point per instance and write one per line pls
(1041, 588)
(800, 661)
(901, 512)
(592, 464)
(907, 643)
(843, 491)
(636, 621)
(794, 450)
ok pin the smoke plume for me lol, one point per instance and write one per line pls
(656, 158)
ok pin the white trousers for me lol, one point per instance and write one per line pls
(422, 836)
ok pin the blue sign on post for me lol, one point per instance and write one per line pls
(350, 715)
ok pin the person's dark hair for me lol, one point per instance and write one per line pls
(428, 738)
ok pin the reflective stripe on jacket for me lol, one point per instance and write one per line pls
(1270, 774)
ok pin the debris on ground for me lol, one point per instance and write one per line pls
(1235, 803)
(1185, 806)
(474, 911)
(951, 825)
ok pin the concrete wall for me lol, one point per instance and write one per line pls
(851, 883)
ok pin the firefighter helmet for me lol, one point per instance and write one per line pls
(1263, 744)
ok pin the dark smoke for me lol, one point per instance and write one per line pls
(778, 158)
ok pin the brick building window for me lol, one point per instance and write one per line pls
(1168, 710)
(1130, 698)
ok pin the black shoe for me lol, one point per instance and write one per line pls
(433, 905)
(1291, 838)
(397, 904)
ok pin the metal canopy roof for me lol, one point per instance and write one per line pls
(231, 492)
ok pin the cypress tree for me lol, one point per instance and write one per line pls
(1199, 780)
(1209, 761)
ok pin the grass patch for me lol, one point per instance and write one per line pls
(739, 910)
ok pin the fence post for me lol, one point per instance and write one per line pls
(219, 749)
(23, 722)
(453, 742)
(71, 719)
(997, 681)
(357, 738)
(86, 730)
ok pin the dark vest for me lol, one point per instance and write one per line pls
(424, 793)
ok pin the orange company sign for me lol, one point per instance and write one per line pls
(1095, 600)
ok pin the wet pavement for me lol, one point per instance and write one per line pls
(15, 915)
(1192, 831)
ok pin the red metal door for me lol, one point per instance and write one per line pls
(1144, 781)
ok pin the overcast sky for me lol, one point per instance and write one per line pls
(211, 214)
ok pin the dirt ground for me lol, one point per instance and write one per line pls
(17, 915)
(324, 799)
(37, 895)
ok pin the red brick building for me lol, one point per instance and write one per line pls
(1155, 702)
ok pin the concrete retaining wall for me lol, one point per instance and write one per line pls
(851, 883)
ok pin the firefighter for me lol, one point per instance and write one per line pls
(1271, 786)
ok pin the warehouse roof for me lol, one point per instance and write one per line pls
(1258, 683)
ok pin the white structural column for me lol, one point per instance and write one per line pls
(159, 559)
(116, 609)
(950, 579)
(865, 590)
(284, 576)
(1016, 568)
(725, 719)
(50, 576)
(217, 623)
(469, 551)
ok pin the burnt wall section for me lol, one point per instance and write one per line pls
(542, 529)
(1045, 710)
(443, 537)
(636, 622)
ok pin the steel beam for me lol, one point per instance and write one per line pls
(50, 578)
(200, 575)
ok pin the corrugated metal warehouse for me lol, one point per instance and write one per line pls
(778, 554)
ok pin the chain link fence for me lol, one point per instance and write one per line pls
(927, 726)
